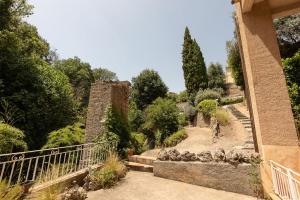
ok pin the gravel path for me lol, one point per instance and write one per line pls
(144, 186)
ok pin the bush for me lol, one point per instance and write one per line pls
(175, 138)
(11, 139)
(135, 117)
(70, 135)
(183, 120)
(10, 193)
(162, 115)
(138, 141)
(206, 94)
(182, 97)
(222, 117)
(228, 101)
(113, 162)
(207, 107)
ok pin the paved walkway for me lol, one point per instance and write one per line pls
(145, 186)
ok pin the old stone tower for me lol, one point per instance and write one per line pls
(103, 94)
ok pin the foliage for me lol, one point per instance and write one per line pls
(216, 76)
(80, 76)
(11, 139)
(183, 120)
(172, 96)
(162, 116)
(138, 142)
(42, 95)
(104, 74)
(175, 138)
(234, 62)
(113, 162)
(288, 34)
(67, 136)
(10, 114)
(222, 117)
(292, 73)
(229, 101)
(207, 107)
(116, 123)
(108, 137)
(182, 97)
(206, 94)
(135, 117)
(10, 193)
(147, 87)
(194, 68)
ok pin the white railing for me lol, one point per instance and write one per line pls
(286, 182)
(48, 164)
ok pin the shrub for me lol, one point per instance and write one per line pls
(10, 193)
(138, 141)
(105, 177)
(228, 101)
(11, 139)
(135, 117)
(182, 97)
(175, 138)
(162, 116)
(206, 94)
(222, 117)
(70, 135)
(207, 107)
(113, 162)
(182, 120)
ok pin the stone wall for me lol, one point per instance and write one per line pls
(103, 94)
(217, 175)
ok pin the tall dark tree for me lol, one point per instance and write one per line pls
(216, 76)
(147, 87)
(193, 65)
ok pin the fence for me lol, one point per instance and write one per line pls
(286, 182)
(48, 164)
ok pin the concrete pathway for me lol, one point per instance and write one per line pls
(145, 186)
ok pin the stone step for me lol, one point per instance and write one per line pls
(147, 160)
(139, 167)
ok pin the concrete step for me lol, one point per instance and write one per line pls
(139, 167)
(147, 160)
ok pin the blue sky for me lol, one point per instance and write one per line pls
(127, 36)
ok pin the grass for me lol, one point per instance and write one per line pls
(10, 193)
(222, 117)
(175, 138)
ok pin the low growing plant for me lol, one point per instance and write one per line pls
(175, 138)
(138, 142)
(207, 107)
(229, 101)
(206, 94)
(10, 193)
(222, 117)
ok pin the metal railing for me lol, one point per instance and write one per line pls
(47, 164)
(286, 182)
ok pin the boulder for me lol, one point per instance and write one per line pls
(163, 156)
(174, 155)
(205, 156)
(74, 193)
(187, 156)
(220, 155)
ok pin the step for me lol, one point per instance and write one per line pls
(139, 167)
(147, 160)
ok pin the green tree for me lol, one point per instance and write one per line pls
(194, 68)
(104, 74)
(11, 139)
(162, 117)
(216, 76)
(147, 87)
(135, 117)
(80, 76)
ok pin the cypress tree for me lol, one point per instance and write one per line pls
(194, 68)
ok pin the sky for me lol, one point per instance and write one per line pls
(127, 36)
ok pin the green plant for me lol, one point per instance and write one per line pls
(206, 94)
(162, 116)
(135, 117)
(138, 142)
(255, 178)
(182, 120)
(175, 138)
(182, 97)
(207, 107)
(70, 135)
(147, 87)
(222, 117)
(10, 193)
(113, 162)
(105, 177)
(216, 76)
(11, 139)
(229, 101)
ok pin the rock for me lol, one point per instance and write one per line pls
(220, 155)
(174, 155)
(74, 193)
(187, 156)
(205, 156)
(163, 156)
(234, 157)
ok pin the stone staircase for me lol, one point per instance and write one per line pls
(141, 163)
(246, 122)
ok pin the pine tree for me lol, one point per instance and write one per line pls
(194, 68)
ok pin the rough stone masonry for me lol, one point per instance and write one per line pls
(103, 94)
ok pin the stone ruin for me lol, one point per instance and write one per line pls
(102, 95)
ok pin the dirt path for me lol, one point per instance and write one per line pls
(145, 186)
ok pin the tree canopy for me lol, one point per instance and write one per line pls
(104, 74)
(216, 76)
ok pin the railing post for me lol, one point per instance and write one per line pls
(292, 185)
